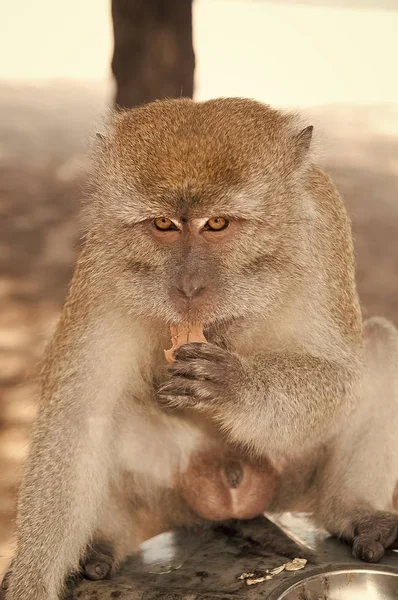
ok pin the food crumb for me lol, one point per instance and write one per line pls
(246, 575)
(277, 570)
(254, 577)
(296, 564)
(256, 580)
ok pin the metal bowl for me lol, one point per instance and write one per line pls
(347, 584)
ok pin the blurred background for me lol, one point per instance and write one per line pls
(63, 64)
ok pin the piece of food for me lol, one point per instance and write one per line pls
(277, 570)
(246, 576)
(296, 564)
(184, 334)
(254, 577)
(258, 580)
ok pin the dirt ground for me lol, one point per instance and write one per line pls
(43, 133)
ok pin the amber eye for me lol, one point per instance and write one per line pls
(164, 224)
(216, 224)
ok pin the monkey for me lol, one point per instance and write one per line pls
(213, 212)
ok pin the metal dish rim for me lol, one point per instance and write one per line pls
(278, 593)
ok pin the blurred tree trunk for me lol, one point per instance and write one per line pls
(153, 51)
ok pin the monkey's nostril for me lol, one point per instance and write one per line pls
(190, 293)
(197, 292)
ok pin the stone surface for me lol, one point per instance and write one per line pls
(183, 566)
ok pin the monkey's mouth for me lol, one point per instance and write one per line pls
(200, 309)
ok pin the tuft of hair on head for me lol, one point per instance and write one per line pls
(303, 139)
(309, 129)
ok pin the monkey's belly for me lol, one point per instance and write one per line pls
(224, 488)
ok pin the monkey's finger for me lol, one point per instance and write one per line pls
(198, 369)
(381, 526)
(100, 562)
(197, 390)
(201, 350)
(176, 387)
(367, 549)
(183, 402)
(177, 402)
(97, 570)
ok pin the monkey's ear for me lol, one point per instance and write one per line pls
(101, 137)
(303, 140)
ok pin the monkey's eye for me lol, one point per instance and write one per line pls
(164, 224)
(216, 224)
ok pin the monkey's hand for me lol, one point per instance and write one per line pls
(203, 376)
(299, 400)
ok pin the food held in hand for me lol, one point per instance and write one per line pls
(184, 334)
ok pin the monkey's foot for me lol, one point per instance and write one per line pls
(99, 562)
(373, 534)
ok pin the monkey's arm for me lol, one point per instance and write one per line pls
(65, 479)
(358, 485)
(278, 404)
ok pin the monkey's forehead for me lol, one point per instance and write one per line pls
(220, 140)
(180, 153)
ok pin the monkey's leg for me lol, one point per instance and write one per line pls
(116, 534)
(66, 478)
(136, 511)
(359, 480)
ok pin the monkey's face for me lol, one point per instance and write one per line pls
(214, 267)
(200, 222)
(205, 268)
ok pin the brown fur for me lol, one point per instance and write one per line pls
(283, 378)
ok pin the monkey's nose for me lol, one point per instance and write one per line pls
(190, 292)
(190, 285)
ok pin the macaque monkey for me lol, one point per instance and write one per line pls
(212, 213)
